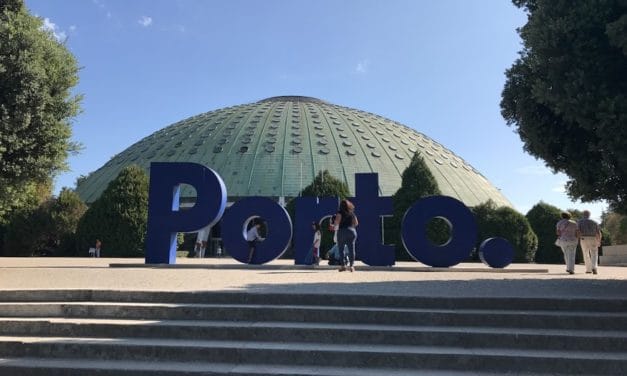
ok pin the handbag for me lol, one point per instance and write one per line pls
(558, 242)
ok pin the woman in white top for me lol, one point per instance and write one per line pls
(567, 240)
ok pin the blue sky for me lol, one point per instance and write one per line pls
(436, 66)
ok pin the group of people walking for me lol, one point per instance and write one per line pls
(585, 232)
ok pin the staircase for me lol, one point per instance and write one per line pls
(83, 332)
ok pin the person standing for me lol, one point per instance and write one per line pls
(346, 222)
(589, 234)
(566, 230)
(315, 247)
(252, 237)
(97, 250)
(201, 241)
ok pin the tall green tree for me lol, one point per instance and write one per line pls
(51, 226)
(118, 217)
(543, 218)
(616, 226)
(326, 185)
(507, 223)
(65, 213)
(566, 95)
(417, 182)
(323, 185)
(37, 74)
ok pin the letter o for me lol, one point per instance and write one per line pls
(463, 231)
(234, 230)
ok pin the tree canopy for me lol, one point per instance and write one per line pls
(417, 182)
(37, 74)
(326, 185)
(118, 217)
(566, 95)
(507, 223)
(543, 218)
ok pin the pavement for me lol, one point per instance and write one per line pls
(282, 276)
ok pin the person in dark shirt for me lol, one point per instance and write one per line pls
(346, 222)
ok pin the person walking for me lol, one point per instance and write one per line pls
(346, 222)
(589, 234)
(566, 230)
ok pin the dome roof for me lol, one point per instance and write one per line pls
(276, 146)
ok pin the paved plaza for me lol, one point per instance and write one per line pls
(281, 276)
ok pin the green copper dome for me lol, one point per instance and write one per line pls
(276, 146)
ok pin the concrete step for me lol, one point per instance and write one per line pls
(65, 367)
(164, 333)
(418, 335)
(209, 297)
(615, 250)
(309, 355)
(329, 314)
(613, 260)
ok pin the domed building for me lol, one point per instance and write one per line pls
(275, 148)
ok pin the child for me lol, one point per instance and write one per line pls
(316, 242)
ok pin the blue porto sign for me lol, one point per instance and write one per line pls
(165, 220)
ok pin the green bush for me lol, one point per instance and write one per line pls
(119, 217)
(417, 182)
(49, 228)
(507, 223)
(543, 218)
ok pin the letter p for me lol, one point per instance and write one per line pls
(164, 218)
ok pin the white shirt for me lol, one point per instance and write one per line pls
(252, 234)
(316, 241)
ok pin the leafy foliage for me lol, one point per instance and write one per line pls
(50, 227)
(326, 185)
(37, 74)
(616, 226)
(65, 213)
(323, 185)
(543, 218)
(119, 217)
(417, 182)
(507, 223)
(567, 94)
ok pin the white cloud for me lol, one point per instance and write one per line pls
(362, 67)
(72, 28)
(50, 26)
(145, 21)
(533, 170)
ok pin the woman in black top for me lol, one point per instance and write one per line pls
(346, 222)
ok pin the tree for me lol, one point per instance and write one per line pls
(50, 227)
(323, 185)
(616, 227)
(37, 74)
(507, 223)
(543, 218)
(567, 94)
(65, 213)
(326, 185)
(417, 182)
(119, 217)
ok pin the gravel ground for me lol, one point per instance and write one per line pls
(406, 278)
